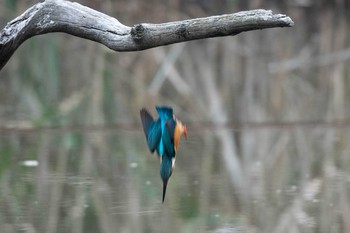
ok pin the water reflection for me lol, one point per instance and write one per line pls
(100, 182)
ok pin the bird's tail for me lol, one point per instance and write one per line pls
(164, 112)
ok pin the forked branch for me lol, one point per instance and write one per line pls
(81, 21)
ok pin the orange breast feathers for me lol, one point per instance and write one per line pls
(179, 129)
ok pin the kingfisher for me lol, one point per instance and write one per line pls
(163, 136)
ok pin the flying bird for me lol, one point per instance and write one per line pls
(163, 136)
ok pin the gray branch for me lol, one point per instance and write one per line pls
(75, 19)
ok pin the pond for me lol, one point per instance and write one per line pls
(106, 180)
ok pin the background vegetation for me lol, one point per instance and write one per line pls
(267, 114)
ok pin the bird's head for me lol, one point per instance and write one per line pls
(166, 169)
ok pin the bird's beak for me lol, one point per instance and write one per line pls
(185, 131)
(165, 183)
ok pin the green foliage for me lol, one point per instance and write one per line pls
(191, 205)
(91, 220)
(6, 157)
(11, 5)
(109, 103)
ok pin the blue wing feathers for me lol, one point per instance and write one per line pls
(160, 133)
(168, 137)
(154, 135)
(146, 119)
(152, 129)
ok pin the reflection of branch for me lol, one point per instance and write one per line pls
(295, 215)
(75, 19)
(216, 111)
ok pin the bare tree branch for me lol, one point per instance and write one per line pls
(75, 19)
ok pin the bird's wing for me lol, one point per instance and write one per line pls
(168, 137)
(152, 129)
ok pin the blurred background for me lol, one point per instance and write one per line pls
(267, 112)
